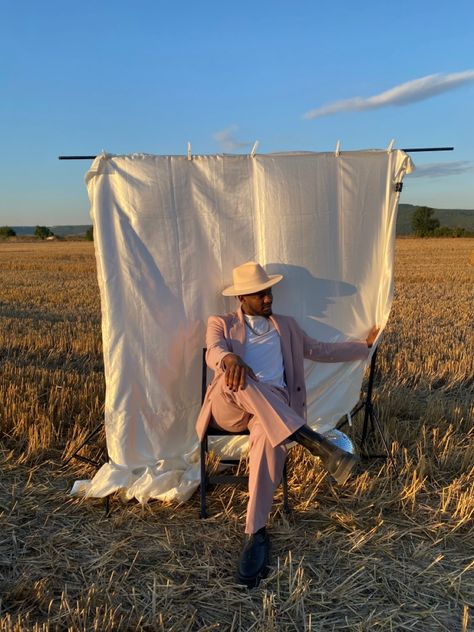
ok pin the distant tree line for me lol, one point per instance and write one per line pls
(43, 232)
(40, 231)
(424, 224)
(6, 231)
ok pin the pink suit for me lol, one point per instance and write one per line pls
(271, 414)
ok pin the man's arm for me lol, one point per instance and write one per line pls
(220, 357)
(216, 343)
(236, 372)
(339, 351)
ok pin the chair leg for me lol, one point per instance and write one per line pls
(203, 513)
(205, 478)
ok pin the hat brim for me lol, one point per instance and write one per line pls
(236, 290)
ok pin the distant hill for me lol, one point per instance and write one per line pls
(61, 231)
(452, 218)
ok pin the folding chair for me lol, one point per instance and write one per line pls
(229, 479)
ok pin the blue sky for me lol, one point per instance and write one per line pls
(147, 76)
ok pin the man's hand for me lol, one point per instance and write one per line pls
(372, 335)
(236, 371)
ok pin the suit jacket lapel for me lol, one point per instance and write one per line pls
(282, 328)
(237, 334)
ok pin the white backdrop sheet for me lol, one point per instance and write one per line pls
(168, 232)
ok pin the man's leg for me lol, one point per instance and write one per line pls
(280, 422)
(256, 408)
(265, 471)
(268, 403)
(264, 410)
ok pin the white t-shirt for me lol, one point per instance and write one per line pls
(262, 350)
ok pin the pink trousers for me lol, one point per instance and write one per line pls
(264, 410)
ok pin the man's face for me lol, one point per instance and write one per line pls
(257, 304)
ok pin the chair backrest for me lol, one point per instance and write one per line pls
(203, 375)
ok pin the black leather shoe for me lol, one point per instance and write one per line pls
(338, 463)
(253, 561)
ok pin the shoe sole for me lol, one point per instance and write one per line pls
(344, 469)
(252, 582)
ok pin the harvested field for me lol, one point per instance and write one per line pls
(393, 550)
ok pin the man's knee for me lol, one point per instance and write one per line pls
(259, 437)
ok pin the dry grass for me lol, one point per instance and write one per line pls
(390, 551)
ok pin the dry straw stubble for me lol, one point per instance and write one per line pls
(390, 551)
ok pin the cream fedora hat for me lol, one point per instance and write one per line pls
(250, 277)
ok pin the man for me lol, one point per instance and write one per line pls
(259, 384)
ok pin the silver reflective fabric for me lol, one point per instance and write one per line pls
(341, 440)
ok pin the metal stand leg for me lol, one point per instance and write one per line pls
(79, 457)
(370, 416)
(85, 459)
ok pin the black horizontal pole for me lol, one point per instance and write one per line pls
(407, 150)
(76, 157)
(411, 149)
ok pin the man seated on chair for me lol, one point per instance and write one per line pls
(257, 357)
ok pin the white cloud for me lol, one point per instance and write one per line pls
(441, 169)
(409, 92)
(227, 139)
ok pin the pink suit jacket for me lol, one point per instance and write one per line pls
(226, 334)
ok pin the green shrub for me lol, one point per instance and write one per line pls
(6, 231)
(422, 222)
(42, 232)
